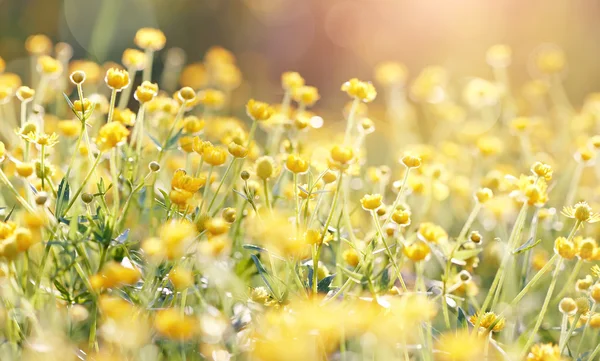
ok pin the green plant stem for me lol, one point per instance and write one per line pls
(399, 197)
(570, 281)
(350, 123)
(569, 333)
(147, 73)
(111, 107)
(585, 328)
(124, 99)
(85, 180)
(223, 177)
(266, 195)
(388, 250)
(543, 310)
(18, 196)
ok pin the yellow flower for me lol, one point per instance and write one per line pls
(38, 44)
(182, 181)
(25, 94)
(291, 80)
(215, 156)
(481, 93)
(544, 352)
(296, 164)
(488, 319)
(417, 250)
(181, 277)
(307, 95)
(117, 79)
(371, 202)
(192, 124)
(150, 39)
(499, 56)
(582, 212)
(432, 233)
(265, 167)
(460, 346)
(212, 98)
(124, 116)
(258, 111)
(364, 91)
(171, 323)
(49, 66)
(134, 59)
(411, 161)
(351, 257)
(46, 140)
(401, 217)
(565, 248)
(342, 154)
(550, 59)
(112, 135)
(542, 170)
(146, 92)
(483, 195)
(391, 73)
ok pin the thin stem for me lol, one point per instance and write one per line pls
(544, 308)
(111, 108)
(388, 251)
(85, 180)
(399, 197)
(350, 123)
(266, 195)
(569, 333)
(147, 74)
(223, 177)
(124, 99)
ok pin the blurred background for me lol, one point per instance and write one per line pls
(327, 41)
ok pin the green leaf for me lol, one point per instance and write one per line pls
(262, 271)
(62, 198)
(354, 276)
(155, 141)
(7, 218)
(254, 248)
(323, 285)
(466, 254)
(527, 246)
(462, 318)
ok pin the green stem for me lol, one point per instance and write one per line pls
(85, 180)
(223, 177)
(350, 123)
(543, 310)
(388, 251)
(266, 195)
(111, 108)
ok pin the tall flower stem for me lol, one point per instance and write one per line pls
(83, 183)
(391, 256)
(543, 310)
(399, 197)
(223, 177)
(147, 74)
(350, 123)
(111, 107)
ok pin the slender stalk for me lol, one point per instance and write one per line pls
(543, 310)
(111, 107)
(266, 195)
(350, 123)
(223, 177)
(585, 328)
(85, 180)
(569, 333)
(147, 74)
(399, 197)
(124, 99)
(388, 251)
